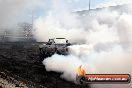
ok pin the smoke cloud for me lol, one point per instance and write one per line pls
(104, 40)
(57, 24)
(108, 3)
(12, 10)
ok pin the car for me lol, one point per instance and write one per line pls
(54, 45)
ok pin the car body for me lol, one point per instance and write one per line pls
(55, 45)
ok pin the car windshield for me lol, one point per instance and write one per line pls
(60, 41)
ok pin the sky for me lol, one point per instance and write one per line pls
(74, 5)
(71, 5)
(78, 5)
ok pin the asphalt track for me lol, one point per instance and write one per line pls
(21, 66)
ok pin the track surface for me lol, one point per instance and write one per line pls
(22, 62)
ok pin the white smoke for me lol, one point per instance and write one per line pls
(107, 35)
(108, 3)
(65, 64)
(11, 11)
(62, 24)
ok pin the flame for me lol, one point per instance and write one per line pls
(81, 71)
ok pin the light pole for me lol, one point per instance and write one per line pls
(89, 5)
